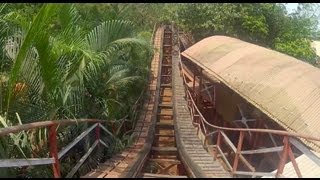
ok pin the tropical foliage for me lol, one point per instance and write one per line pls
(55, 69)
(266, 24)
(70, 61)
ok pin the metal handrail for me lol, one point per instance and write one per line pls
(42, 124)
(55, 155)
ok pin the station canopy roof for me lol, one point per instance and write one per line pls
(284, 88)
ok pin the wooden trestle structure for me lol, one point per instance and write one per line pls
(178, 132)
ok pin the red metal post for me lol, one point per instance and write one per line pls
(253, 134)
(194, 85)
(97, 129)
(284, 156)
(256, 141)
(219, 138)
(54, 151)
(294, 163)
(199, 98)
(239, 147)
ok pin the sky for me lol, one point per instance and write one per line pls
(291, 7)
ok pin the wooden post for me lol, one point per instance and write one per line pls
(239, 147)
(54, 151)
(284, 156)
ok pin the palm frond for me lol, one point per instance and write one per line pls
(36, 28)
(68, 15)
(2, 6)
(107, 32)
(123, 43)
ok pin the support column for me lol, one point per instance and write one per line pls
(54, 151)
(199, 97)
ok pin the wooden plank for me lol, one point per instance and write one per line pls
(165, 135)
(165, 75)
(166, 85)
(164, 149)
(75, 141)
(165, 105)
(149, 175)
(25, 162)
(81, 161)
(172, 161)
(255, 173)
(263, 150)
(165, 114)
(162, 124)
(305, 150)
(166, 65)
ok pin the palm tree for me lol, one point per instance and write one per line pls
(61, 71)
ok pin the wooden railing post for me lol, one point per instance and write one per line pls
(54, 151)
(239, 147)
(284, 156)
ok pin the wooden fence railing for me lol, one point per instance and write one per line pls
(55, 155)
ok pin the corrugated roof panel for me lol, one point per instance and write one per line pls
(234, 56)
(307, 167)
(283, 87)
